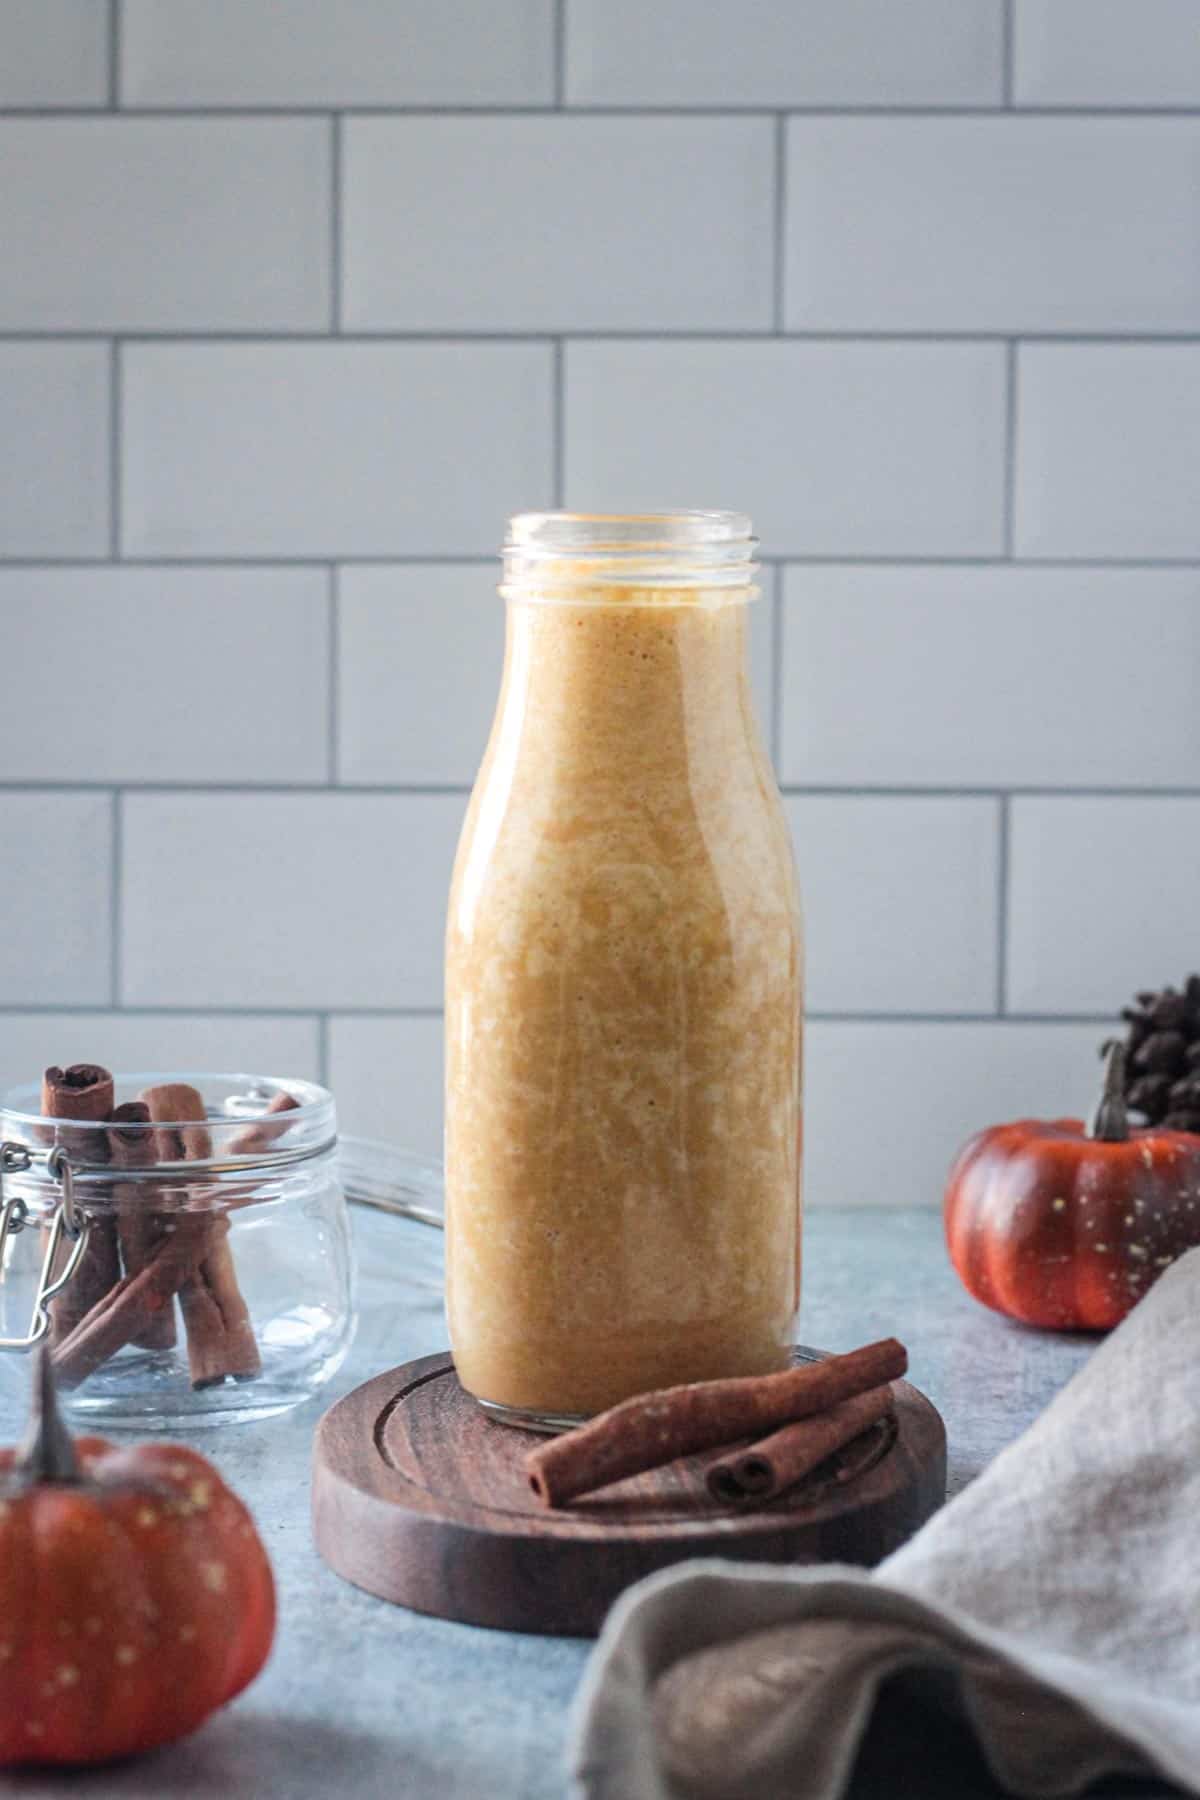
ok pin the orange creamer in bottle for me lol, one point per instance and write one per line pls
(623, 985)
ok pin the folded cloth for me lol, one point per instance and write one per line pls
(1054, 1606)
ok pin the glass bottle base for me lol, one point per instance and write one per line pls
(549, 1423)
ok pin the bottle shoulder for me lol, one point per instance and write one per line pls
(693, 858)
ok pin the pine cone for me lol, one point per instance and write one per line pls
(1162, 1064)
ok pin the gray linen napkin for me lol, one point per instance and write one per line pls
(1055, 1605)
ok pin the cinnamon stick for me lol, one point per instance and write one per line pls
(220, 1336)
(652, 1429)
(84, 1093)
(181, 1121)
(776, 1463)
(261, 1133)
(140, 1227)
(124, 1311)
(256, 1140)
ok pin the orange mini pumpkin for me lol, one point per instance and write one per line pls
(1066, 1225)
(135, 1594)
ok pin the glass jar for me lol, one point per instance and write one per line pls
(623, 985)
(209, 1283)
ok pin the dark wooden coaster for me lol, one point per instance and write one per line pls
(421, 1499)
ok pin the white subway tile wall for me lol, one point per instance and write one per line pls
(1108, 450)
(1120, 53)
(781, 53)
(285, 900)
(58, 898)
(925, 1089)
(55, 444)
(296, 304)
(164, 224)
(478, 224)
(418, 658)
(227, 53)
(325, 449)
(993, 224)
(156, 1042)
(900, 899)
(387, 1075)
(53, 53)
(141, 675)
(1103, 892)
(879, 449)
(997, 676)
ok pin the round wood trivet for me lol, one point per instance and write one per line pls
(421, 1499)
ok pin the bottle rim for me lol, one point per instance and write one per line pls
(568, 554)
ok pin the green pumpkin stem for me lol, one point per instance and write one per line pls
(1110, 1121)
(47, 1454)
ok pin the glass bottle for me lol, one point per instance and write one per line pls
(624, 985)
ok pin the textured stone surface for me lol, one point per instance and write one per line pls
(362, 1699)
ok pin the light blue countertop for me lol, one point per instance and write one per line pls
(364, 1699)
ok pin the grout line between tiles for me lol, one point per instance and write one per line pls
(1066, 791)
(168, 563)
(964, 1018)
(548, 109)
(116, 896)
(146, 1010)
(279, 789)
(815, 1015)
(384, 337)
(828, 559)
(417, 789)
(1002, 884)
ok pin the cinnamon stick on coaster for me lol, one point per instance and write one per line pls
(220, 1336)
(140, 1227)
(652, 1429)
(83, 1092)
(778, 1462)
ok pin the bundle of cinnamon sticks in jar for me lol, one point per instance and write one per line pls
(151, 1244)
(778, 1428)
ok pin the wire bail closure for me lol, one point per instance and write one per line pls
(71, 1224)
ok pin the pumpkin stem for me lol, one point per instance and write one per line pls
(1109, 1123)
(47, 1454)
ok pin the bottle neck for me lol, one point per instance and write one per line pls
(595, 690)
(626, 658)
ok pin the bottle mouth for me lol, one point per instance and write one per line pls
(569, 554)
